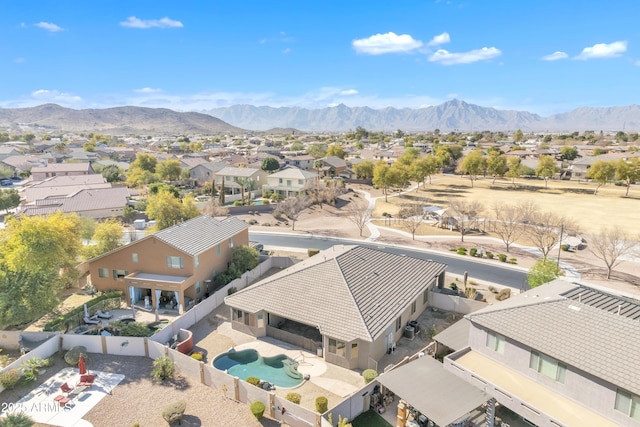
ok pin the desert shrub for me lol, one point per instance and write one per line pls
(72, 356)
(461, 251)
(503, 294)
(294, 397)
(253, 222)
(275, 197)
(311, 252)
(493, 289)
(197, 356)
(513, 261)
(163, 368)
(369, 375)
(432, 331)
(173, 412)
(473, 252)
(470, 292)
(502, 257)
(489, 255)
(257, 409)
(453, 286)
(253, 381)
(238, 203)
(564, 247)
(31, 368)
(453, 249)
(10, 378)
(135, 329)
(16, 419)
(136, 425)
(232, 290)
(322, 404)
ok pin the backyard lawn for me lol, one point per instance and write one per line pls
(370, 419)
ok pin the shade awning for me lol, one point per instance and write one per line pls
(438, 394)
(456, 336)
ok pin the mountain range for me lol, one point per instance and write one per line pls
(450, 116)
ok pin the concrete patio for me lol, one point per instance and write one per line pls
(40, 405)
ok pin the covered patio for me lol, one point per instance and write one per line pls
(157, 291)
(431, 393)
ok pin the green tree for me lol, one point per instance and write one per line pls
(166, 209)
(112, 173)
(169, 170)
(543, 271)
(145, 162)
(89, 147)
(157, 187)
(425, 167)
(107, 237)
(497, 165)
(128, 214)
(601, 171)
(317, 150)
(381, 177)
(27, 294)
(9, 199)
(546, 168)
(628, 171)
(518, 136)
(473, 164)
(568, 152)
(296, 146)
(364, 169)
(244, 258)
(336, 150)
(270, 164)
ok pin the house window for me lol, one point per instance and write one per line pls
(279, 180)
(134, 258)
(196, 261)
(300, 182)
(260, 318)
(413, 307)
(175, 262)
(336, 347)
(230, 242)
(119, 274)
(398, 323)
(237, 315)
(628, 403)
(103, 273)
(288, 183)
(495, 342)
(354, 350)
(425, 296)
(198, 287)
(227, 178)
(548, 366)
(218, 249)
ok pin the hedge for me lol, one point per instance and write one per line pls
(257, 409)
(54, 324)
(322, 404)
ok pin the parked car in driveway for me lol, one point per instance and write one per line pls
(5, 182)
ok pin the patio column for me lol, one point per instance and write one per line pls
(157, 296)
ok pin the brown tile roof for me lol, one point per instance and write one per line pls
(348, 292)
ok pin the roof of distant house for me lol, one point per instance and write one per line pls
(294, 173)
(63, 167)
(348, 292)
(239, 172)
(82, 201)
(334, 161)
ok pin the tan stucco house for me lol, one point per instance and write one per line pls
(290, 182)
(173, 268)
(350, 304)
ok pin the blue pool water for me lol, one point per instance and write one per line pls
(278, 370)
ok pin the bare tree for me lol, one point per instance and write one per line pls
(609, 246)
(412, 218)
(545, 229)
(214, 208)
(292, 208)
(465, 212)
(359, 213)
(509, 222)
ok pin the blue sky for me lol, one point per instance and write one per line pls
(541, 56)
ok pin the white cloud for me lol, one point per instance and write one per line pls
(133, 22)
(439, 39)
(287, 50)
(348, 92)
(49, 27)
(386, 43)
(637, 63)
(46, 95)
(147, 90)
(603, 50)
(555, 56)
(445, 57)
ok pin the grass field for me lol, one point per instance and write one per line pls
(370, 419)
(572, 199)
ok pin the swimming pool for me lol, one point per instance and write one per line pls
(279, 370)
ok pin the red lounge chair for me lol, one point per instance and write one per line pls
(86, 380)
(66, 388)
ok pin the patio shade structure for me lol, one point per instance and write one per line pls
(438, 394)
(82, 365)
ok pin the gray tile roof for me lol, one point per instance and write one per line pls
(591, 339)
(456, 336)
(201, 233)
(239, 172)
(348, 292)
(82, 201)
(63, 167)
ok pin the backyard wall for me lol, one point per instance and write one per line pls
(10, 339)
(353, 405)
(44, 350)
(454, 303)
